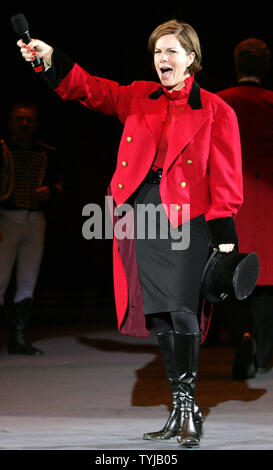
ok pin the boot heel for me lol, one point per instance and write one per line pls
(189, 434)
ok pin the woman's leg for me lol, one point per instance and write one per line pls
(185, 321)
(165, 334)
(179, 342)
(187, 349)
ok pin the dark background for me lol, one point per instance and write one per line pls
(109, 40)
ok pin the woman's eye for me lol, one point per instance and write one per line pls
(171, 51)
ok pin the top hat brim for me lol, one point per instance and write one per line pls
(206, 283)
(236, 275)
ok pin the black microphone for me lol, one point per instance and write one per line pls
(20, 26)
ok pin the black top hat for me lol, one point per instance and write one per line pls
(229, 274)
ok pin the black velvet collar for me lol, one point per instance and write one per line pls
(194, 98)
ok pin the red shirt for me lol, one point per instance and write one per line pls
(176, 104)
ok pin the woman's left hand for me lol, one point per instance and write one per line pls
(226, 247)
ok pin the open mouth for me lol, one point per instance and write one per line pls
(166, 72)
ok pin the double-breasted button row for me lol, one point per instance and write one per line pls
(183, 184)
(124, 163)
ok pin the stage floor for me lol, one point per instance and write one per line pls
(97, 389)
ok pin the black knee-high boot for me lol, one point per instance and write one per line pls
(166, 345)
(173, 369)
(187, 351)
(19, 321)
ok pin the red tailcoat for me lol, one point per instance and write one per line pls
(254, 108)
(204, 154)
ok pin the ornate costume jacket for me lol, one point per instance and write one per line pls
(202, 166)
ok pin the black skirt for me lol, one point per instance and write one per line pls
(170, 268)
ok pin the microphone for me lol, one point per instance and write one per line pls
(20, 26)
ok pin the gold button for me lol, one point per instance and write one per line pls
(120, 186)
(124, 163)
(183, 184)
(189, 162)
(129, 139)
(177, 207)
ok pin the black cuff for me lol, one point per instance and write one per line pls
(60, 67)
(223, 230)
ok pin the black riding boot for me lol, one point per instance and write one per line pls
(187, 349)
(172, 426)
(19, 321)
(166, 344)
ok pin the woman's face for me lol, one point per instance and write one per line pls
(171, 62)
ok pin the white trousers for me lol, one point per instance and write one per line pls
(22, 235)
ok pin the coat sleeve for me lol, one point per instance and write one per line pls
(72, 82)
(225, 177)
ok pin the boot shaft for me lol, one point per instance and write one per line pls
(20, 314)
(187, 352)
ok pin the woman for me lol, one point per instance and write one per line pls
(180, 147)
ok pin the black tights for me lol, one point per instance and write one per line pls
(181, 321)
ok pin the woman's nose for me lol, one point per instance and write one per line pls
(164, 58)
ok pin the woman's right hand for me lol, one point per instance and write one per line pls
(35, 48)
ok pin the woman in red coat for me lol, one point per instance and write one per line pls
(179, 153)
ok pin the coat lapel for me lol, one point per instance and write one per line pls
(186, 127)
(155, 110)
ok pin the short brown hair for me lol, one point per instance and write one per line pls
(252, 57)
(187, 37)
(23, 104)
